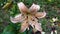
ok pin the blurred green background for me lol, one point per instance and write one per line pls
(9, 8)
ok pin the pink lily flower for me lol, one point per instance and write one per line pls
(28, 16)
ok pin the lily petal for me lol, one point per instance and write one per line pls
(34, 8)
(17, 18)
(22, 7)
(24, 26)
(38, 27)
(40, 14)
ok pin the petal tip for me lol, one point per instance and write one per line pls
(34, 7)
(12, 20)
(20, 4)
(37, 6)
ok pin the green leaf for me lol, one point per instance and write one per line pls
(10, 29)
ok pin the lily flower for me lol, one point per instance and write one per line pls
(28, 17)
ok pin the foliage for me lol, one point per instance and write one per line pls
(52, 8)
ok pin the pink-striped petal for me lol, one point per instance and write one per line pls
(17, 18)
(40, 14)
(22, 7)
(24, 26)
(38, 27)
(34, 8)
